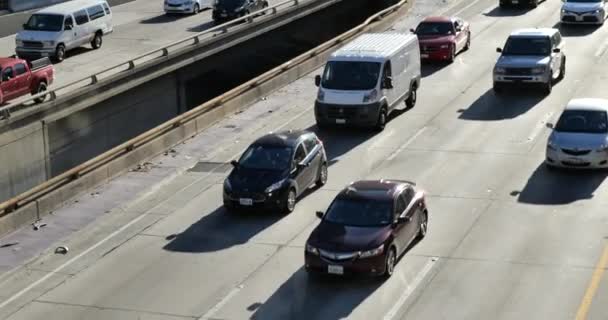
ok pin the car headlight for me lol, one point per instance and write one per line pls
(444, 46)
(538, 70)
(49, 43)
(551, 145)
(18, 42)
(603, 148)
(598, 11)
(372, 253)
(227, 185)
(499, 70)
(275, 186)
(321, 95)
(370, 97)
(312, 249)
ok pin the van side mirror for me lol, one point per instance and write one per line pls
(387, 83)
(412, 30)
(24, 26)
(234, 163)
(320, 214)
(557, 50)
(499, 50)
(317, 80)
(550, 125)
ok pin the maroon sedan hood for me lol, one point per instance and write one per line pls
(340, 238)
(436, 39)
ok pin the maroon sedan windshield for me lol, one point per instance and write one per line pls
(360, 213)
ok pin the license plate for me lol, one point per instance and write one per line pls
(579, 18)
(424, 56)
(335, 269)
(223, 14)
(44, 54)
(575, 160)
(246, 202)
(515, 2)
(340, 121)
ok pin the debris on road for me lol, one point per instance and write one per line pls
(61, 250)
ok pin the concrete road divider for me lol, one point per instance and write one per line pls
(44, 198)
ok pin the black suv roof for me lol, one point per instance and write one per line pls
(382, 190)
(289, 138)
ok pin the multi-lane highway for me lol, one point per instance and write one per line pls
(139, 26)
(508, 239)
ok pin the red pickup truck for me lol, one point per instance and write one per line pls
(19, 77)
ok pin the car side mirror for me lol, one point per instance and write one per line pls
(499, 50)
(302, 165)
(24, 26)
(317, 80)
(557, 50)
(550, 125)
(320, 214)
(412, 31)
(403, 219)
(234, 163)
(387, 83)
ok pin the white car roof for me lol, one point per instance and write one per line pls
(376, 46)
(547, 32)
(588, 104)
(70, 6)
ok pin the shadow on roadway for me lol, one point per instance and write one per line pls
(78, 51)
(430, 67)
(509, 105)
(559, 186)
(512, 11)
(202, 27)
(164, 18)
(220, 230)
(575, 30)
(305, 296)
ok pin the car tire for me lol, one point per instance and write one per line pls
(97, 41)
(290, 201)
(41, 88)
(410, 102)
(562, 70)
(197, 9)
(548, 87)
(382, 118)
(533, 3)
(424, 225)
(59, 53)
(322, 176)
(391, 260)
(452, 56)
(498, 89)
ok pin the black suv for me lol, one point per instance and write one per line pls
(531, 3)
(225, 10)
(275, 170)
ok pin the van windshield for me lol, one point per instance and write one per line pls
(350, 75)
(44, 22)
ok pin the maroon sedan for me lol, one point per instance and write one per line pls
(367, 227)
(442, 38)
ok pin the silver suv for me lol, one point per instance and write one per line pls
(531, 57)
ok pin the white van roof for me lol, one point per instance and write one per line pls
(376, 46)
(70, 6)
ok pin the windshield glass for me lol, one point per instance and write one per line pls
(537, 46)
(230, 3)
(434, 28)
(583, 121)
(44, 22)
(266, 158)
(360, 213)
(350, 75)
(583, 1)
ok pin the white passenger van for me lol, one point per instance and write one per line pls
(367, 79)
(53, 31)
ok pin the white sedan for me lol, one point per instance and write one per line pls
(580, 137)
(187, 6)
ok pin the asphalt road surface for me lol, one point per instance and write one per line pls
(507, 239)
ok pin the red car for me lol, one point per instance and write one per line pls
(442, 38)
(367, 227)
(19, 77)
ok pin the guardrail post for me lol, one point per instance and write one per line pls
(131, 65)
(197, 40)
(296, 2)
(94, 79)
(165, 52)
(274, 10)
(53, 95)
(5, 114)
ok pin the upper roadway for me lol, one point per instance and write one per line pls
(507, 238)
(139, 26)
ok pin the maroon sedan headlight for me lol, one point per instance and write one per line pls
(372, 253)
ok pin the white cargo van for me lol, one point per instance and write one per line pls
(53, 31)
(367, 79)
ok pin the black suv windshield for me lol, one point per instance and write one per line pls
(435, 28)
(583, 121)
(360, 213)
(585, 1)
(44, 22)
(533, 46)
(350, 75)
(266, 157)
(230, 3)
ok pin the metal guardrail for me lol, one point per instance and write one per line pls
(163, 52)
(116, 152)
